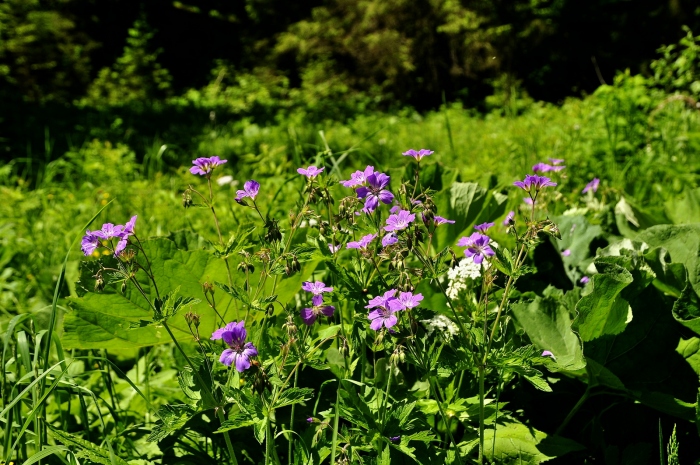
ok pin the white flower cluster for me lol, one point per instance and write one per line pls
(457, 276)
(442, 325)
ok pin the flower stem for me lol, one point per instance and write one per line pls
(336, 420)
(291, 422)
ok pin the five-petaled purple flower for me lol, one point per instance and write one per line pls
(384, 308)
(204, 166)
(310, 172)
(406, 300)
(362, 243)
(239, 351)
(509, 218)
(309, 315)
(358, 178)
(316, 288)
(534, 182)
(591, 186)
(478, 248)
(483, 226)
(250, 189)
(399, 221)
(375, 191)
(91, 239)
(418, 154)
(389, 239)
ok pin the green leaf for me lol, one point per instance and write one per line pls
(517, 443)
(576, 235)
(172, 419)
(684, 208)
(462, 203)
(103, 321)
(686, 310)
(682, 242)
(239, 420)
(604, 311)
(293, 396)
(87, 449)
(548, 325)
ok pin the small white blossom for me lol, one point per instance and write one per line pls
(458, 276)
(442, 325)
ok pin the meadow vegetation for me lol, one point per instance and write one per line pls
(567, 334)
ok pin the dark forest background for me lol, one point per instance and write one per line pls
(70, 65)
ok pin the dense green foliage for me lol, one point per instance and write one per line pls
(101, 358)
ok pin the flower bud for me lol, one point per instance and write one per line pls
(187, 199)
(192, 318)
(99, 283)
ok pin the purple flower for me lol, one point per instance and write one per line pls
(362, 243)
(509, 218)
(418, 155)
(90, 242)
(204, 166)
(358, 178)
(543, 168)
(591, 186)
(316, 288)
(566, 253)
(528, 200)
(310, 420)
(479, 248)
(309, 315)
(333, 248)
(250, 189)
(124, 235)
(395, 439)
(556, 161)
(405, 300)
(585, 280)
(465, 241)
(239, 351)
(310, 172)
(383, 313)
(438, 220)
(534, 182)
(375, 191)
(483, 226)
(109, 231)
(547, 353)
(382, 300)
(389, 239)
(395, 209)
(399, 221)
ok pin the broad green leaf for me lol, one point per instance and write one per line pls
(462, 203)
(686, 310)
(682, 242)
(517, 443)
(548, 325)
(239, 420)
(604, 311)
(670, 277)
(684, 208)
(576, 236)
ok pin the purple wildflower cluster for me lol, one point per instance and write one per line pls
(204, 166)
(92, 239)
(239, 352)
(385, 306)
(372, 188)
(318, 288)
